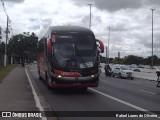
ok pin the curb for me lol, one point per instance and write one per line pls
(42, 100)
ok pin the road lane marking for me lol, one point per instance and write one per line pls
(135, 83)
(33, 70)
(147, 91)
(123, 102)
(36, 98)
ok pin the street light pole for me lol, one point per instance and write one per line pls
(152, 39)
(5, 55)
(90, 16)
(108, 43)
(106, 55)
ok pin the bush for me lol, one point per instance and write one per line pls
(4, 71)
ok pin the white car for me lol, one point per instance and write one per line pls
(122, 71)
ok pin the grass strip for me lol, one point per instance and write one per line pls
(4, 71)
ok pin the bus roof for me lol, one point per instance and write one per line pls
(73, 30)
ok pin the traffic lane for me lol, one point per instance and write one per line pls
(69, 100)
(149, 76)
(139, 85)
(137, 94)
(100, 82)
(137, 81)
(144, 90)
(143, 75)
(149, 84)
(78, 100)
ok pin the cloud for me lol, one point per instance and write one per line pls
(85, 20)
(111, 5)
(45, 24)
(14, 1)
(34, 27)
(115, 5)
(130, 21)
(82, 2)
(153, 2)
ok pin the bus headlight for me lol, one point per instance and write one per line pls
(59, 76)
(95, 75)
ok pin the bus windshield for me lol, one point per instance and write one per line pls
(74, 52)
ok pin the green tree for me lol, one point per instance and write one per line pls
(131, 59)
(2, 47)
(23, 46)
(147, 61)
(118, 61)
(103, 59)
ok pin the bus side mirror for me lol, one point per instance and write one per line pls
(100, 45)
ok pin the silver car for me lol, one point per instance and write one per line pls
(122, 71)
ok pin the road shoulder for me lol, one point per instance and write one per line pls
(16, 93)
(39, 95)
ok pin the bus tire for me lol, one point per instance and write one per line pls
(40, 78)
(84, 88)
(46, 81)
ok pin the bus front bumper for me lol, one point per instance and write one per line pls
(89, 81)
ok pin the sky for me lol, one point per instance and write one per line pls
(130, 21)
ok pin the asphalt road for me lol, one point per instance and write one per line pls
(149, 76)
(113, 94)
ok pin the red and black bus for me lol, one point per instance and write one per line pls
(69, 56)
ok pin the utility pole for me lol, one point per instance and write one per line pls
(106, 55)
(90, 15)
(152, 40)
(0, 34)
(5, 55)
(108, 43)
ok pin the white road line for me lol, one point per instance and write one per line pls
(121, 101)
(135, 83)
(36, 98)
(33, 70)
(147, 91)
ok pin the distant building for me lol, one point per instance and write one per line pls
(119, 55)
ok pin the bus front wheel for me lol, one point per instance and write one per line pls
(84, 88)
(47, 80)
(40, 78)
